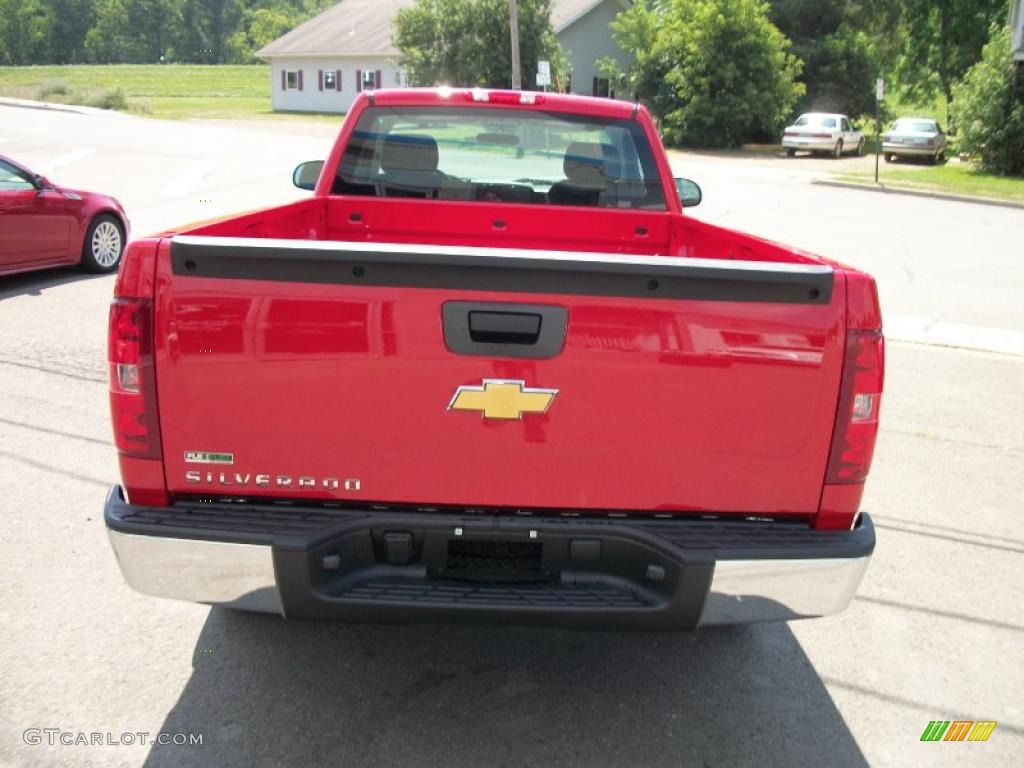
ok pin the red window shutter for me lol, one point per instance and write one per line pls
(376, 79)
(359, 80)
(337, 79)
(300, 79)
(284, 80)
(320, 79)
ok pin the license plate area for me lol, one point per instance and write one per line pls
(495, 561)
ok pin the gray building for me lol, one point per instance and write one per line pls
(323, 64)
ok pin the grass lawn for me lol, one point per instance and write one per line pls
(952, 178)
(176, 91)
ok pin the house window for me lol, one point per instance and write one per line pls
(292, 80)
(601, 87)
(330, 80)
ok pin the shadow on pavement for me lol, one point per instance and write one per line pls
(34, 283)
(268, 692)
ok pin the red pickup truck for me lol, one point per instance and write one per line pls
(489, 371)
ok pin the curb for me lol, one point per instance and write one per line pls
(74, 109)
(917, 193)
(26, 104)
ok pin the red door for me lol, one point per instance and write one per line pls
(35, 224)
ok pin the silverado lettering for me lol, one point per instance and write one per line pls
(266, 481)
(494, 312)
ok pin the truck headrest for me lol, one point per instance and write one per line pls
(584, 165)
(408, 153)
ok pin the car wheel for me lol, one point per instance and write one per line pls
(104, 244)
(860, 148)
(889, 158)
(942, 156)
(838, 151)
(790, 152)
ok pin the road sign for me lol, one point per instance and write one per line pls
(879, 89)
(543, 73)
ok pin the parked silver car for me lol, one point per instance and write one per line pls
(823, 132)
(915, 137)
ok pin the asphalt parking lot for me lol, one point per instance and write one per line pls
(935, 633)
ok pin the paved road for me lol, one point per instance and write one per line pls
(936, 631)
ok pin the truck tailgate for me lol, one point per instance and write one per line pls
(495, 378)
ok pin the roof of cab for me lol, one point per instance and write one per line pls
(553, 102)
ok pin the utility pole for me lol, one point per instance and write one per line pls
(513, 23)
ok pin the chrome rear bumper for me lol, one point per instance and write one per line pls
(652, 574)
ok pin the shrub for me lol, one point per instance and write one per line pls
(990, 117)
(52, 88)
(109, 98)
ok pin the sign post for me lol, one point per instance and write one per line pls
(543, 74)
(879, 95)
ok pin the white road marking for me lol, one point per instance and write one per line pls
(186, 181)
(943, 333)
(62, 160)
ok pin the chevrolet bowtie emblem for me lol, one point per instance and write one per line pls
(502, 399)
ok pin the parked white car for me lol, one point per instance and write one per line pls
(823, 132)
(915, 137)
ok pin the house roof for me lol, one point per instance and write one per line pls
(363, 27)
(349, 28)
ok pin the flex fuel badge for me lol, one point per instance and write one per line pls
(208, 457)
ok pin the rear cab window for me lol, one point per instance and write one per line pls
(500, 155)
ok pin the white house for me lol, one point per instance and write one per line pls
(321, 65)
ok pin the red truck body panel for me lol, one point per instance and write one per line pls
(709, 406)
(722, 407)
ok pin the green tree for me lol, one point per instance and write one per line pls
(133, 31)
(24, 31)
(467, 42)
(839, 59)
(715, 72)
(946, 38)
(259, 27)
(68, 23)
(207, 31)
(989, 109)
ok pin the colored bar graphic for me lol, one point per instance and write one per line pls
(960, 730)
(935, 730)
(982, 730)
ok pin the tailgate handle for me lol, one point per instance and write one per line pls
(499, 329)
(504, 327)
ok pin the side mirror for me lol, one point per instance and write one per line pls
(689, 193)
(306, 174)
(40, 182)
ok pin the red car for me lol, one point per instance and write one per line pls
(46, 225)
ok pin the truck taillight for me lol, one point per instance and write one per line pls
(132, 378)
(860, 395)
